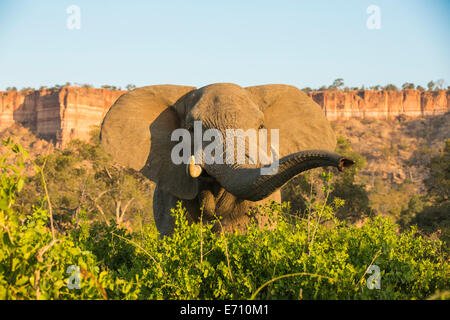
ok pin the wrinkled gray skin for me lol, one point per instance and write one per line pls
(136, 132)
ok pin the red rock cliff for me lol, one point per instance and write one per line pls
(381, 104)
(57, 114)
(70, 112)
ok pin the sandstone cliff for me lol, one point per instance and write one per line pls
(57, 114)
(70, 112)
(382, 104)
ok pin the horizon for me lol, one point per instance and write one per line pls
(301, 44)
(87, 86)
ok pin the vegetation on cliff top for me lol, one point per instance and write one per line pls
(309, 256)
(338, 84)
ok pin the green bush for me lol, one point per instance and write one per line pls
(309, 186)
(33, 259)
(314, 257)
(82, 176)
(430, 212)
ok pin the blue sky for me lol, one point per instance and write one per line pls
(303, 43)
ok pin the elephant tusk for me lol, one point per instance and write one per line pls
(193, 169)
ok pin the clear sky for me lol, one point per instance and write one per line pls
(195, 42)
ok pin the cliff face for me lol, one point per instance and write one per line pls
(381, 104)
(70, 112)
(58, 115)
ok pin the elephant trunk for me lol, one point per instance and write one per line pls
(248, 183)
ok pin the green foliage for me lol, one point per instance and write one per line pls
(310, 257)
(408, 85)
(431, 211)
(347, 188)
(390, 200)
(32, 261)
(310, 185)
(415, 206)
(109, 87)
(338, 83)
(24, 90)
(438, 183)
(420, 88)
(82, 177)
(391, 87)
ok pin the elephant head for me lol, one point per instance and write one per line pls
(137, 131)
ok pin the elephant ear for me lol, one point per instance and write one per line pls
(136, 132)
(301, 121)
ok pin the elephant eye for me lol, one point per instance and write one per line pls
(262, 126)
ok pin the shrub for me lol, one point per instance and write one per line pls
(109, 87)
(308, 186)
(25, 90)
(408, 85)
(430, 212)
(390, 87)
(82, 176)
(315, 257)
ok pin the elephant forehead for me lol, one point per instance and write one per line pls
(226, 104)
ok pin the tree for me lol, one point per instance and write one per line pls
(390, 87)
(130, 87)
(307, 90)
(415, 206)
(338, 83)
(431, 85)
(355, 195)
(26, 89)
(407, 85)
(304, 188)
(82, 178)
(109, 87)
(430, 211)
(438, 183)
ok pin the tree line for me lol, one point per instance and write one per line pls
(338, 84)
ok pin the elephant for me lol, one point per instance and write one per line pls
(136, 132)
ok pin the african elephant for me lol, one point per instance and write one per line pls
(137, 130)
